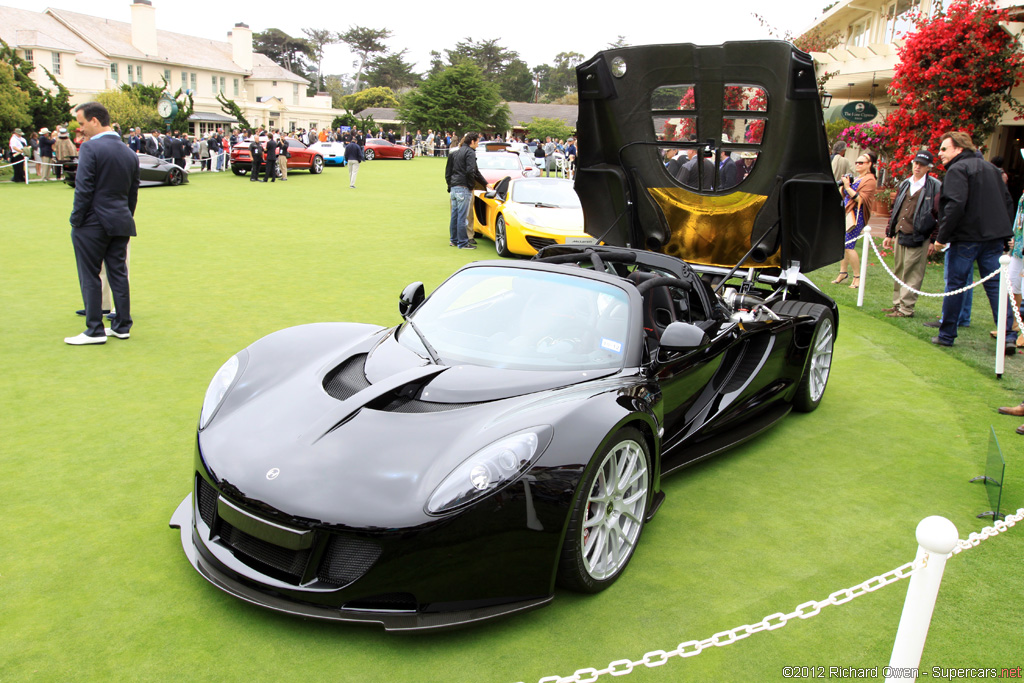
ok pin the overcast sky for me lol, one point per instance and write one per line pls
(536, 29)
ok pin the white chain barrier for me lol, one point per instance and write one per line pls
(692, 648)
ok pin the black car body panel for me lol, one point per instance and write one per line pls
(338, 466)
(788, 206)
(152, 171)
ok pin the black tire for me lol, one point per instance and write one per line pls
(819, 352)
(407, 154)
(239, 171)
(318, 165)
(501, 237)
(175, 176)
(368, 154)
(583, 565)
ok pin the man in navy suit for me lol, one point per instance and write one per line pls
(102, 221)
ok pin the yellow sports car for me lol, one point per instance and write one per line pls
(524, 215)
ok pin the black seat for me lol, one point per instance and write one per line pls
(659, 308)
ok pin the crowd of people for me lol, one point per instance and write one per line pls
(969, 215)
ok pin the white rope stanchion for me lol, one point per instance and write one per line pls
(1004, 266)
(864, 266)
(1004, 294)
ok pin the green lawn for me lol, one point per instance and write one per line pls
(97, 453)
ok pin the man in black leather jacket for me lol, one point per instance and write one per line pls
(911, 225)
(976, 220)
(462, 175)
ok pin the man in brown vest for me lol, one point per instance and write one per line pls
(913, 220)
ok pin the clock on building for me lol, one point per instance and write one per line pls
(167, 108)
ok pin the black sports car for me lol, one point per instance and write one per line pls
(512, 433)
(152, 171)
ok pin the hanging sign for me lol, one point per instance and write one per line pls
(859, 112)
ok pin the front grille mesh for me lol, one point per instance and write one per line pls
(346, 559)
(347, 379)
(207, 497)
(539, 243)
(291, 563)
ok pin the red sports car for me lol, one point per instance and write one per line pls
(302, 158)
(377, 148)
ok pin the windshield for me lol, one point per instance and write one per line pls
(498, 160)
(523, 320)
(550, 192)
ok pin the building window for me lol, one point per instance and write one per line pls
(236, 87)
(213, 91)
(56, 63)
(222, 88)
(113, 71)
(29, 57)
(192, 80)
(858, 34)
(898, 21)
(167, 77)
(273, 83)
(131, 75)
(295, 93)
(138, 74)
(184, 81)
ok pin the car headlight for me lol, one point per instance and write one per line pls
(527, 217)
(218, 388)
(489, 469)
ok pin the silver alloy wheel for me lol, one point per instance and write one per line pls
(821, 359)
(368, 155)
(614, 511)
(500, 238)
(407, 154)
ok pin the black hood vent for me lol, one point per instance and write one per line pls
(348, 379)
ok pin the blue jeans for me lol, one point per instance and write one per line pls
(961, 258)
(460, 212)
(965, 312)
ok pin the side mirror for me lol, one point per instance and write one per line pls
(412, 296)
(490, 194)
(501, 188)
(680, 336)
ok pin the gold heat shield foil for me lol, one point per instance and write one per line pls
(710, 230)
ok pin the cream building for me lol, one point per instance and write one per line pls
(91, 54)
(865, 60)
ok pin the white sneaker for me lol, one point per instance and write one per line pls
(119, 335)
(83, 339)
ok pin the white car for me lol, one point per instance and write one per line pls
(332, 152)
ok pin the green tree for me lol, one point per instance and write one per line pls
(364, 42)
(14, 109)
(231, 108)
(391, 71)
(126, 110)
(540, 128)
(338, 85)
(561, 78)
(457, 99)
(371, 97)
(294, 54)
(319, 39)
(499, 65)
(619, 42)
(46, 107)
(145, 94)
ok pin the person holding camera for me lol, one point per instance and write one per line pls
(858, 194)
